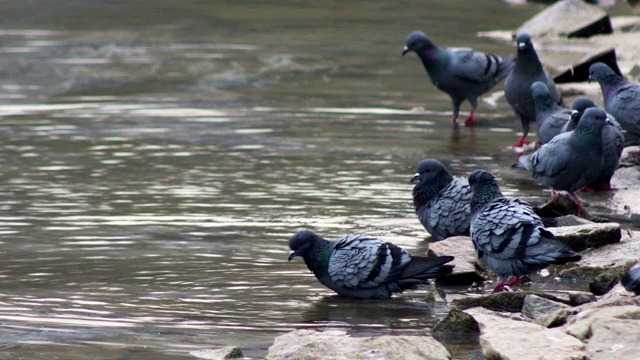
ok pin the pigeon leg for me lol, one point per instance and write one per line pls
(456, 110)
(577, 202)
(504, 285)
(587, 188)
(470, 120)
(525, 132)
(553, 195)
(607, 187)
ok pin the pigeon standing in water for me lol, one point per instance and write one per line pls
(612, 145)
(631, 279)
(463, 73)
(570, 160)
(364, 267)
(621, 97)
(507, 234)
(517, 87)
(550, 117)
(441, 200)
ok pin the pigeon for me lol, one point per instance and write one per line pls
(364, 267)
(517, 87)
(570, 160)
(462, 73)
(612, 142)
(621, 97)
(508, 235)
(441, 200)
(550, 117)
(631, 279)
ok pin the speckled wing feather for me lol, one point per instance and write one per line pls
(475, 66)
(360, 261)
(449, 213)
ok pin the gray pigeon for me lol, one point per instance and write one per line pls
(441, 200)
(612, 144)
(508, 235)
(621, 97)
(517, 87)
(550, 117)
(631, 279)
(570, 160)
(462, 73)
(364, 267)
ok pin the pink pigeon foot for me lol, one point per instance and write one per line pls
(470, 120)
(577, 202)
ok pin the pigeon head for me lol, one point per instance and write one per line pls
(602, 73)
(485, 188)
(579, 105)
(523, 42)
(594, 118)
(416, 42)
(430, 171)
(541, 96)
(301, 242)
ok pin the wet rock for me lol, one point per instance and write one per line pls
(467, 270)
(511, 337)
(502, 301)
(611, 328)
(457, 322)
(570, 18)
(582, 237)
(560, 205)
(337, 344)
(602, 267)
(579, 71)
(570, 220)
(229, 352)
(536, 306)
(556, 318)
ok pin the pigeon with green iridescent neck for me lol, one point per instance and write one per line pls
(631, 279)
(517, 87)
(441, 200)
(550, 117)
(612, 145)
(570, 160)
(508, 235)
(365, 267)
(462, 73)
(621, 97)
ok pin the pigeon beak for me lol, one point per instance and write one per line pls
(608, 121)
(415, 178)
(405, 50)
(590, 79)
(574, 115)
(292, 254)
(522, 45)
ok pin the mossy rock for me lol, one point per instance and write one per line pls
(503, 301)
(457, 322)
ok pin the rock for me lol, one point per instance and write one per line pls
(570, 220)
(579, 71)
(467, 270)
(502, 301)
(338, 345)
(535, 306)
(602, 267)
(458, 322)
(612, 331)
(588, 236)
(560, 205)
(570, 18)
(229, 352)
(556, 318)
(510, 337)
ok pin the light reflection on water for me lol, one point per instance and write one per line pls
(150, 179)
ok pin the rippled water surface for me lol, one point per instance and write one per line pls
(156, 155)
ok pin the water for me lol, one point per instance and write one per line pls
(157, 155)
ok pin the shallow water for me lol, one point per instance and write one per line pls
(157, 155)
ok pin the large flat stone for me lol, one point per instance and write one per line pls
(582, 237)
(511, 337)
(467, 269)
(536, 306)
(338, 345)
(570, 18)
(602, 267)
